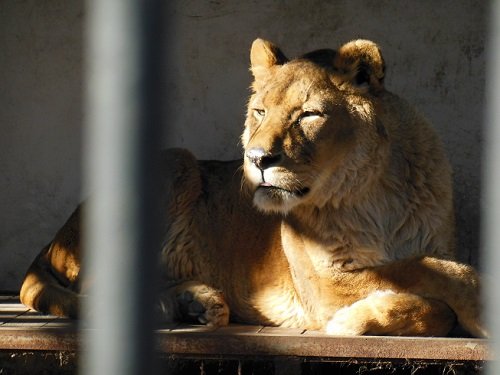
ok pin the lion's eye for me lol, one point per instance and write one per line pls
(309, 116)
(259, 113)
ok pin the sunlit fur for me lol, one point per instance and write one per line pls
(346, 233)
(379, 183)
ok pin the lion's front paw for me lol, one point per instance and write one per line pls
(204, 304)
(345, 323)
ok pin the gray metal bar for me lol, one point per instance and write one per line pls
(491, 190)
(120, 146)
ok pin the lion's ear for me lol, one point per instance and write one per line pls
(263, 56)
(361, 64)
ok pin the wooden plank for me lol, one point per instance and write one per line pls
(198, 342)
(209, 343)
(238, 329)
(54, 339)
(10, 310)
(8, 307)
(27, 330)
(278, 331)
(7, 298)
(6, 317)
(60, 323)
(29, 319)
(190, 329)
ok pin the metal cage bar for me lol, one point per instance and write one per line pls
(120, 147)
(491, 192)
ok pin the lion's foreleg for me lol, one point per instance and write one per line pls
(390, 313)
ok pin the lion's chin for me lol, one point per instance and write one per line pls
(273, 199)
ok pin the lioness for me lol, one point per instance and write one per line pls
(344, 222)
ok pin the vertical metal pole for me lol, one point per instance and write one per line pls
(491, 191)
(120, 144)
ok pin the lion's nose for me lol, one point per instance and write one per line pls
(262, 159)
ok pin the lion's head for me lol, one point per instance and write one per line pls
(311, 135)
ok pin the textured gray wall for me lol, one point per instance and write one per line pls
(434, 53)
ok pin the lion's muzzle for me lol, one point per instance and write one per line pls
(262, 159)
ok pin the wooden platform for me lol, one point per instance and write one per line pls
(24, 329)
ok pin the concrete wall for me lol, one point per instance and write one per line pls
(434, 53)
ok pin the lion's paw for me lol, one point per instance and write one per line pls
(204, 304)
(344, 323)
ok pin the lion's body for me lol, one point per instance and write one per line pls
(354, 221)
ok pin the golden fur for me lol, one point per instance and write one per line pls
(353, 231)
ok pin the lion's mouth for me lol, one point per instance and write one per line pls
(279, 190)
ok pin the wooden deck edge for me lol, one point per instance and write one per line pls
(51, 339)
(326, 346)
(195, 342)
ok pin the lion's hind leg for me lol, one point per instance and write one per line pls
(41, 291)
(193, 301)
(390, 313)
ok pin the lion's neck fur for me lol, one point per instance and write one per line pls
(350, 205)
(350, 228)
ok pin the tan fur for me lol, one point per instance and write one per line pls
(354, 219)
